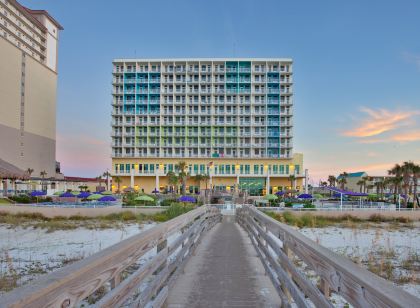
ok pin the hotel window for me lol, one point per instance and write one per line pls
(297, 169)
(256, 168)
(222, 169)
(127, 168)
(287, 169)
(281, 169)
(202, 169)
(275, 169)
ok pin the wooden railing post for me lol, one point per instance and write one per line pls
(288, 253)
(325, 287)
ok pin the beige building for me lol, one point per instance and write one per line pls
(28, 87)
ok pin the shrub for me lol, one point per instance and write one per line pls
(167, 202)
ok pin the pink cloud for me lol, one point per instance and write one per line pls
(377, 122)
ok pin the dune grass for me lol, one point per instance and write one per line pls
(113, 220)
(319, 221)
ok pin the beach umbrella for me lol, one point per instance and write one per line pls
(94, 197)
(155, 191)
(37, 193)
(107, 198)
(144, 198)
(317, 196)
(187, 199)
(270, 197)
(57, 193)
(67, 195)
(106, 193)
(280, 193)
(305, 196)
(83, 195)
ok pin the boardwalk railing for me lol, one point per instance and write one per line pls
(135, 272)
(280, 247)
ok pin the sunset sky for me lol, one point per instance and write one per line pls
(356, 70)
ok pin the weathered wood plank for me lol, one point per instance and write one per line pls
(75, 282)
(308, 288)
(284, 279)
(358, 286)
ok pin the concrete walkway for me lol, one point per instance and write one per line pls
(224, 272)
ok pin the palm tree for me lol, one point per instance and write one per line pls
(396, 171)
(43, 174)
(206, 179)
(118, 180)
(106, 174)
(99, 179)
(292, 181)
(331, 180)
(342, 180)
(182, 175)
(198, 178)
(407, 170)
(172, 180)
(361, 183)
(29, 171)
(416, 175)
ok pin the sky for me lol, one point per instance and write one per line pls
(356, 70)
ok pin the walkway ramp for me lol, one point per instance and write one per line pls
(224, 272)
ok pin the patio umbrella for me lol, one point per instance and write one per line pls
(317, 196)
(37, 193)
(305, 196)
(155, 191)
(67, 195)
(57, 193)
(107, 198)
(94, 197)
(280, 193)
(106, 193)
(187, 199)
(83, 195)
(144, 198)
(270, 197)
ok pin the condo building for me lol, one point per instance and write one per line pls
(229, 119)
(28, 85)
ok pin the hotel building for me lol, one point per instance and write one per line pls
(28, 85)
(230, 119)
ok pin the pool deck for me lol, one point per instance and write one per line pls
(67, 212)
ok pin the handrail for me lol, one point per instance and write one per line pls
(107, 269)
(358, 286)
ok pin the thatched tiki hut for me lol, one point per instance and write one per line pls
(12, 173)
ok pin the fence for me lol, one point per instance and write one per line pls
(280, 247)
(137, 271)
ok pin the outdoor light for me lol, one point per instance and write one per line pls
(237, 166)
(291, 168)
(160, 166)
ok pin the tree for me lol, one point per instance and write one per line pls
(182, 175)
(416, 175)
(198, 178)
(29, 171)
(172, 180)
(361, 183)
(118, 180)
(99, 179)
(331, 180)
(343, 179)
(292, 181)
(106, 174)
(43, 174)
(407, 171)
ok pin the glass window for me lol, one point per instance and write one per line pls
(227, 169)
(247, 169)
(256, 169)
(297, 169)
(275, 169)
(222, 169)
(281, 169)
(287, 169)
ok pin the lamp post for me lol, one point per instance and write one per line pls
(237, 167)
(267, 182)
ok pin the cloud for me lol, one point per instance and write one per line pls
(407, 136)
(377, 122)
(412, 58)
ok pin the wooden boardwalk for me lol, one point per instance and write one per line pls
(224, 272)
(199, 259)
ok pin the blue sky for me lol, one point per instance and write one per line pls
(356, 70)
